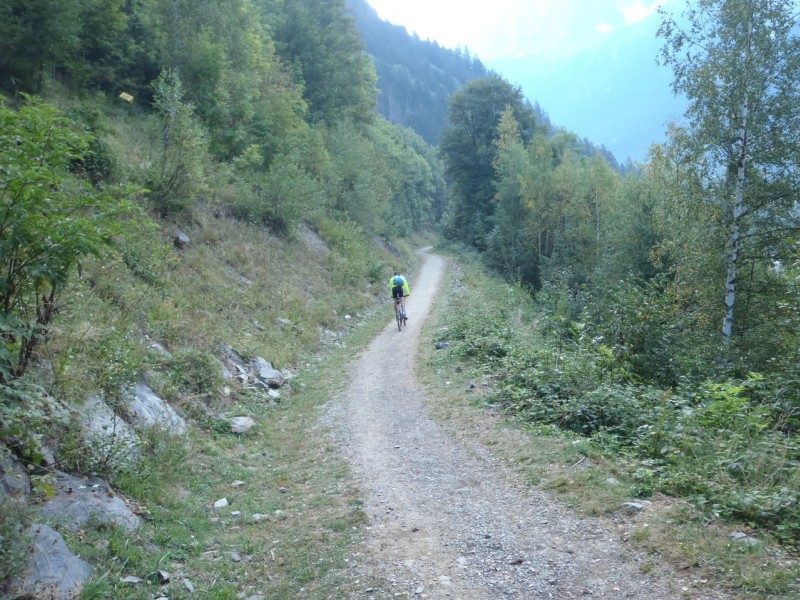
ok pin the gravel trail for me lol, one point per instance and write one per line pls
(445, 519)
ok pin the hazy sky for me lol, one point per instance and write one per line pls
(516, 28)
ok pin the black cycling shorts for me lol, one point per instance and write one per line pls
(397, 291)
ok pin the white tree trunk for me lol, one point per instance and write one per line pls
(739, 209)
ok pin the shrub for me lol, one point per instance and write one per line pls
(49, 221)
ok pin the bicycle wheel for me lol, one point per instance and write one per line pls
(399, 316)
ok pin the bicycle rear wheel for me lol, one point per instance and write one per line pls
(399, 316)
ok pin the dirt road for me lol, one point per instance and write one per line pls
(446, 520)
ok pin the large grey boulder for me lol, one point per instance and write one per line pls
(53, 572)
(112, 441)
(77, 500)
(149, 410)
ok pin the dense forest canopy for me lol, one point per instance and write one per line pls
(415, 77)
(670, 288)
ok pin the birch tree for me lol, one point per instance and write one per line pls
(738, 64)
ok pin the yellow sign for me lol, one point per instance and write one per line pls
(127, 97)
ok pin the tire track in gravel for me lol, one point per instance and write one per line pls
(445, 520)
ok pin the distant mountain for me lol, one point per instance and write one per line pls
(616, 95)
(415, 77)
(615, 98)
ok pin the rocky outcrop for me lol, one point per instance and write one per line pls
(53, 572)
(78, 499)
(113, 442)
(148, 410)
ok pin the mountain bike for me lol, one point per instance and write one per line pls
(399, 313)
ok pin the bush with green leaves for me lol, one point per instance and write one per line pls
(29, 417)
(14, 544)
(178, 167)
(280, 195)
(49, 220)
(728, 445)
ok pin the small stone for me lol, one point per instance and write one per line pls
(241, 424)
(634, 507)
(221, 503)
(188, 585)
(131, 580)
(180, 239)
(738, 536)
(237, 483)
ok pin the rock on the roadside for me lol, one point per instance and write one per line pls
(151, 411)
(108, 435)
(77, 500)
(265, 372)
(53, 572)
(180, 239)
(241, 424)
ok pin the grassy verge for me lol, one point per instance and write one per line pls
(482, 319)
(292, 511)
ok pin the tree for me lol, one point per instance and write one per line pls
(34, 36)
(320, 43)
(229, 69)
(83, 41)
(509, 249)
(738, 63)
(178, 173)
(469, 150)
(49, 220)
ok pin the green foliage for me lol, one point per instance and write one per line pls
(178, 173)
(728, 445)
(736, 62)
(354, 261)
(82, 40)
(193, 373)
(34, 37)
(49, 221)
(29, 417)
(163, 456)
(232, 75)
(281, 196)
(13, 543)
(320, 43)
(469, 150)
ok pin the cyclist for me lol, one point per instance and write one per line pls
(399, 287)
